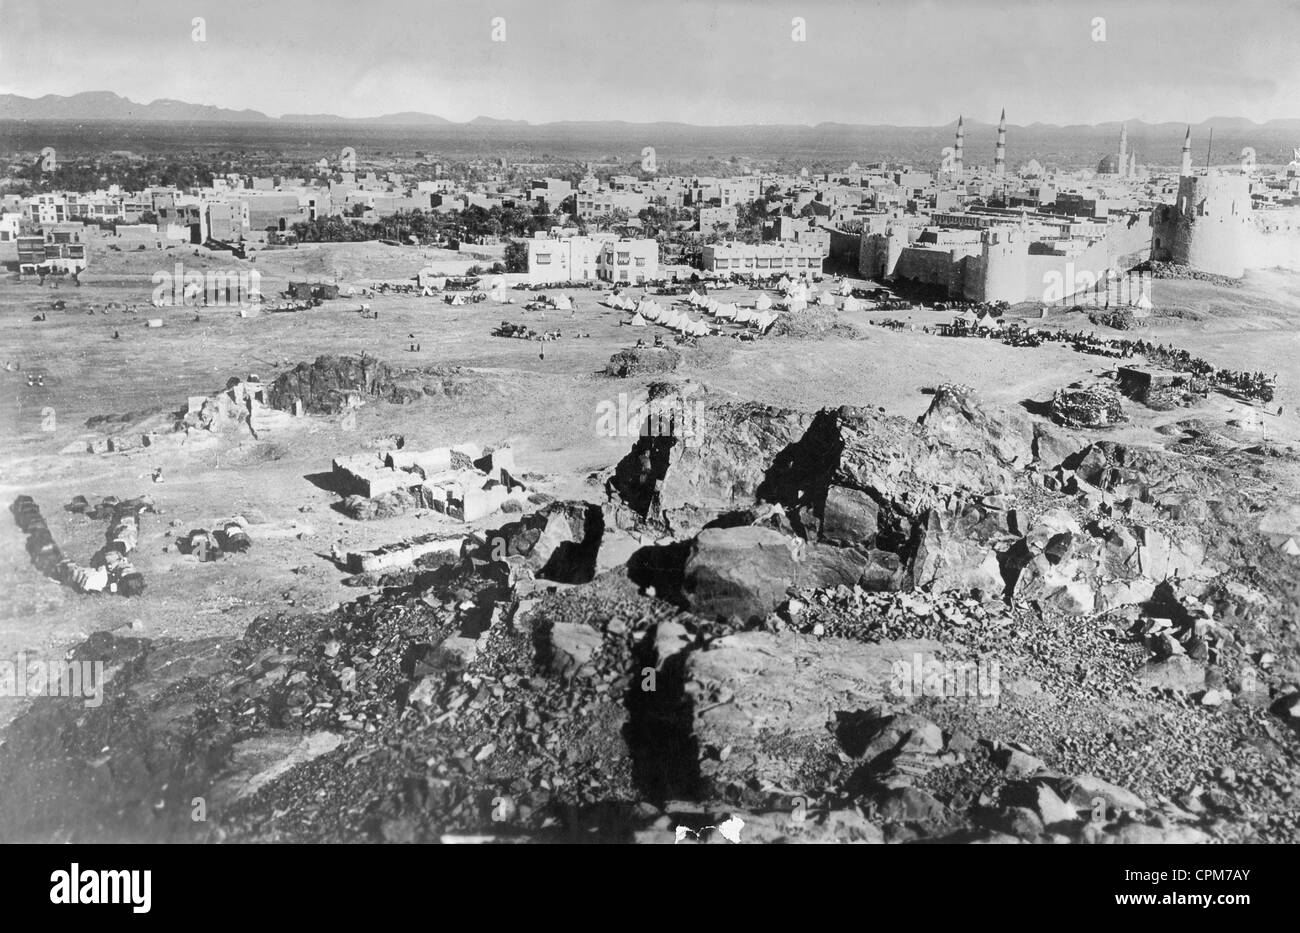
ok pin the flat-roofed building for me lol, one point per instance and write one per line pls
(629, 261)
(764, 259)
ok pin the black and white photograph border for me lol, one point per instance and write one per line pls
(677, 422)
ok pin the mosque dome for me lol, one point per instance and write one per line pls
(1109, 165)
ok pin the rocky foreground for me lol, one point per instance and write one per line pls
(830, 626)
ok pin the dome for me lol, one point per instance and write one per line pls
(1108, 165)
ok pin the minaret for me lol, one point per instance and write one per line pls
(1186, 168)
(958, 165)
(1123, 148)
(1000, 153)
(1132, 164)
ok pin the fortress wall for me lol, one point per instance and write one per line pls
(930, 266)
(1210, 224)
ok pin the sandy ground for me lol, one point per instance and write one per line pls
(545, 407)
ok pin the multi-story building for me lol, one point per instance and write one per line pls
(764, 259)
(567, 259)
(627, 261)
(737, 191)
(601, 202)
(10, 224)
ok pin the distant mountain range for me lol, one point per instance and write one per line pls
(107, 106)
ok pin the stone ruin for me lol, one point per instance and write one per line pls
(464, 482)
(1087, 407)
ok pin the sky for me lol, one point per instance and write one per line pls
(903, 62)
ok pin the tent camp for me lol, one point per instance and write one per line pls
(763, 302)
(638, 321)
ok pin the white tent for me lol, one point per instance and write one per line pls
(796, 304)
(700, 329)
(845, 289)
(457, 300)
(826, 299)
(725, 312)
(638, 321)
(986, 321)
(852, 304)
(498, 292)
(744, 315)
(763, 302)
(562, 303)
(765, 321)
(784, 283)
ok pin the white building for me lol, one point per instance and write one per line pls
(764, 259)
(570, 259)
(633, 262)
(9, 226)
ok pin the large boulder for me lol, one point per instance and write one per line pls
(1054, 445)
(681, 483)
(957, 418)
(559, 542)
(639, 361)
(807, 464)
(740, 573)
(948, 558)
(770, 698)
(327, 385)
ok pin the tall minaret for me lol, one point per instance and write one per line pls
(1000, 153)
(958, 165)
(1123, 148)
(1133, 164)
(1186, 168)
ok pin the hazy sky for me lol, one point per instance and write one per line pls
(908, 62)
